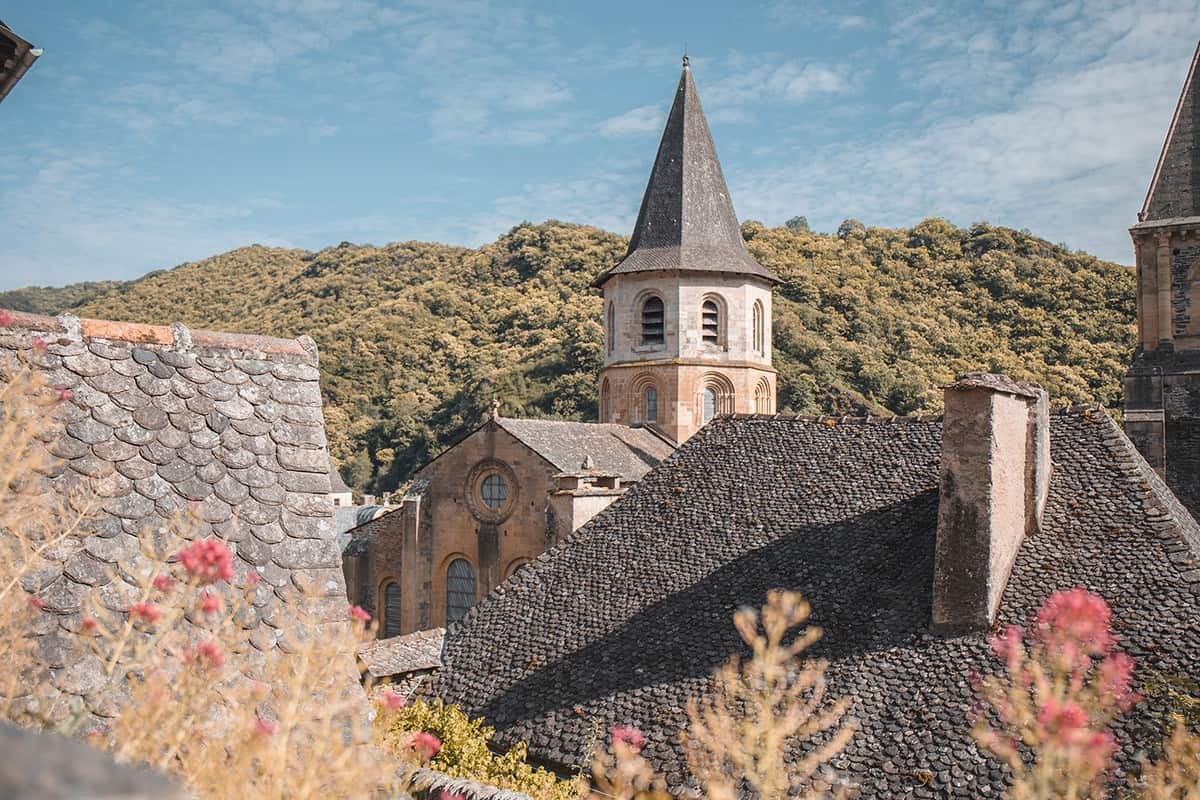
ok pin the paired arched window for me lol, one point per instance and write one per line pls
(651, 404)
(762, 397)
(391, 609)
(760, 328)
(710, 322)
(653, 321)
(611, 327)
(460, 589)
(716, 397)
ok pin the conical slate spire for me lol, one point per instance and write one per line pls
(686, 221)
(1175, 189)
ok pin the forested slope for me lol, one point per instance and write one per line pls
(417, 338)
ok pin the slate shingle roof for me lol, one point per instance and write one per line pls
(1174, 193)
(163, 421)
(686, 221)
(397, 655)
(628, 452)
(627, 618)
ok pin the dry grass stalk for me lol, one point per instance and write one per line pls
(1177, 775)
(749, 732)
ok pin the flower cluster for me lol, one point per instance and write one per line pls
(629, 737)
(357, 612)
(206, 655)
(425, 745)
(146, 612)
(208, 561)
(1058, 695)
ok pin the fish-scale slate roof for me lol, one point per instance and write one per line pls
(16, 57)
(617, 449)
(686, 221)
(627, 618)
(164, 421)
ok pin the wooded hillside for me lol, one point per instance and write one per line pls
(417, 338)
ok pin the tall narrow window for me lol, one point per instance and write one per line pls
(760, 333)
(460, 589)
(605, 410)
(710, 321)
(651, 404)
(710, 404)
(653, 321)
(611, 326)
(391, 609)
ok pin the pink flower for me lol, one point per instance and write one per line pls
(65, 393)
(1114, 679)
(39, 344)
(393, 701)
(208, 560)
(89, 624)
(36, 602)
(206, 655)
(264, 727)
(253, 578)
(1075, 621)
(146, 611)
(357, 613)
(446, 794)
(6, 319)
(1064, 722)
(1008, 647)
(425, 745)
(209, 603)
(628, 736)
(164, 583)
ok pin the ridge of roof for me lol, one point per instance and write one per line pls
(1184, 200)
(178, 336)
(686, 222)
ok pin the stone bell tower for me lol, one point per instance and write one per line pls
(687, 312)
(1162, 387)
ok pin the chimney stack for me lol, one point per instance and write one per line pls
(995, 475)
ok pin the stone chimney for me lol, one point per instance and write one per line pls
(577, 497)
(995, 475)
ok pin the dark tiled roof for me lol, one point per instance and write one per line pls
(1175, 188)
(397, 655)
(615, 449)
(16, 57)
(687, 220)
(629, 616)
(164, 421)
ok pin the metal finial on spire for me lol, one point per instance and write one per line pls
(495, 408)
(685, 59)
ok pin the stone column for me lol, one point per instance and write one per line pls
(1166, 336)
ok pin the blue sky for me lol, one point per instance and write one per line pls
(150, 134)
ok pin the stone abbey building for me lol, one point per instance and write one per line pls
(1162, 387)
(687, 321)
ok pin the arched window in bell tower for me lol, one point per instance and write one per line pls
(611, 327)
(710, 321)
(653, 321)
(760, 328)
(710, 405)
(605, 401)
(762, 397)
(651, 404)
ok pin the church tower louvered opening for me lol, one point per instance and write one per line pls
(688, 308)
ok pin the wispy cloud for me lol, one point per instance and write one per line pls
(635, 121)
